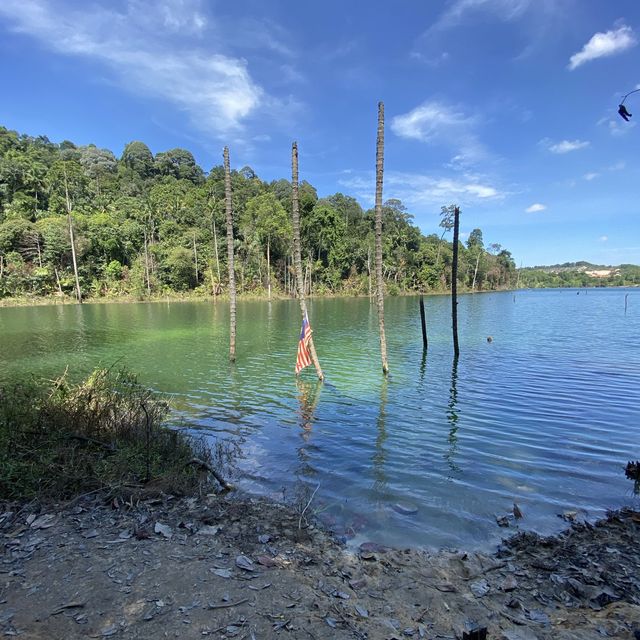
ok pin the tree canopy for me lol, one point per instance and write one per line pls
(148, 224)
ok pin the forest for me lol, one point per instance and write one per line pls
(146, 226)
(579, 274)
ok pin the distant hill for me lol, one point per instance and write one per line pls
(580, 274)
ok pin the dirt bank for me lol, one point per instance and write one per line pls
(229, 568)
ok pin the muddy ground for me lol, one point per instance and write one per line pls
(228, 568)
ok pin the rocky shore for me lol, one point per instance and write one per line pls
(251, 569)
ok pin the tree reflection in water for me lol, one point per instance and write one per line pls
(380, 455)
(452, 418)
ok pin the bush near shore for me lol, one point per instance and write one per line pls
(108, 432)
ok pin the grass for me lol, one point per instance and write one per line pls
(108, 432)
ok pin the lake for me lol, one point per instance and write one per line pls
(546, 415)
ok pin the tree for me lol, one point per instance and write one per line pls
(379, 280)
(98, 164)
(180, 164)
(138, 158)
(66, 178)
(475, 245)
(266, 218)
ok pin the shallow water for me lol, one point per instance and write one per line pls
(545, 415)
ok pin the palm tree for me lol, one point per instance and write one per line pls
(379, 280)
(232, 276)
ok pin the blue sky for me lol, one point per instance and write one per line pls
(507, 107)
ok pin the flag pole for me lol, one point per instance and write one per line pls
(297, 254)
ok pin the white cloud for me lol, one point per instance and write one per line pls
(506, 10)
(592, 175)
(604, 44)
(603, 238)
(425, 192)
(534, 208)
(138, 46)
(440, 123)
(565, 146)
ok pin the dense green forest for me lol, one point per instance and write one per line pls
(144, 225)
(579, 274)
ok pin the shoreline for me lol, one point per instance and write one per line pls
(56, 300)
(242, 567)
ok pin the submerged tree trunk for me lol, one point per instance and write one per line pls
(73, 243)
(379, 280)
(297, 254)
(454, 282)
(232, 277)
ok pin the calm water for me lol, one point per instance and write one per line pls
(546, 415)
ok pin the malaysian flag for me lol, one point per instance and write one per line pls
(304, 357)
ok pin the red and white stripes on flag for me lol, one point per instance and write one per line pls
(304, 357)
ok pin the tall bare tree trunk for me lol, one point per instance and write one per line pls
(269, 266)
(369, 272)
(297, 253)
(55, 270)
(379, 280)
(454, 282)
(146, 262)
(475, 273)
(73, 243)
(195, 255)
(232, 275)
(1, 266)
(215, 248)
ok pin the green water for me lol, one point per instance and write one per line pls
(546, 414)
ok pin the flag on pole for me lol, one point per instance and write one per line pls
(304, 357)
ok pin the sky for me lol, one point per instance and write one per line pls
(505, 107)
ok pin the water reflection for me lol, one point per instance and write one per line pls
(423, 365)
(308, 398)
(380, 454)
(452, 418)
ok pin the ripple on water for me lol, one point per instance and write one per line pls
(546, 415)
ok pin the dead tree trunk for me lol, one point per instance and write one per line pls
(232, 277)
(297, 257)
(423, 323)
(475, 273)
(454, 282)
(379, 279)
(73, 243)
(146, 262)
(215, 248)
(195, 256)
(269, 266)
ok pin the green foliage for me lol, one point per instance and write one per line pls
(146, 225)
